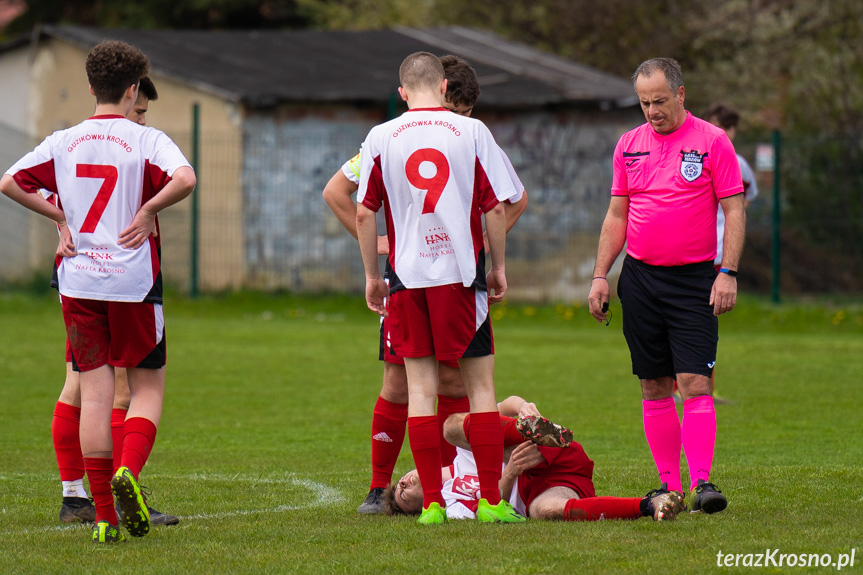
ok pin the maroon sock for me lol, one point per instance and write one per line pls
(486, 443)
(447, 406)
(425, 446)
(65, 431)
(99, 472)
(139, 434)
(596, 508)
(118, 418)
(388, 435)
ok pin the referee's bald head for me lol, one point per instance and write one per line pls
(421, 71)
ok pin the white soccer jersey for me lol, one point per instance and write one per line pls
(435, 173)
(461, 493)
(103, 170)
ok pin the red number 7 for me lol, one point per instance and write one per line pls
(434, 186)
(107, 173)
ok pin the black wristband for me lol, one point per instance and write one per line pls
(732, 273)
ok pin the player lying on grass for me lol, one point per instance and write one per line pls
(390, 413)
(540, 479)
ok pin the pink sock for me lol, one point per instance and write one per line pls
(662, 429)
(699, 436)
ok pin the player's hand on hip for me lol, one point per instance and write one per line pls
(496, 282)
(377, 291)
(723, 296)
(597, 297)
(66, 247)
(143, 226)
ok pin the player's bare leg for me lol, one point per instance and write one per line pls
(97, 396)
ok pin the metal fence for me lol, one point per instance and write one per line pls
(287, 238)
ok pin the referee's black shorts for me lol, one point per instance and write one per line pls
(668, 321)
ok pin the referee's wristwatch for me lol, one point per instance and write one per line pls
(732, 273)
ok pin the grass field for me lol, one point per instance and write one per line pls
(263, 449)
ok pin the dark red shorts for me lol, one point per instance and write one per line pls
(388, 355)
(567, 467)
(448, 322)
(121, 334)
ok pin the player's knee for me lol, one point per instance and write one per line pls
(453, 429)
(548, 509)
(395, 383)
(450, 382)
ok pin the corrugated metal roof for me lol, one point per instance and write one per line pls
(265, 68)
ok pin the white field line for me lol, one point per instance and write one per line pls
(324, 496)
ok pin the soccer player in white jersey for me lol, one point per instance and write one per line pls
(390, 412)
(65, 426)
(112, 177)
(435, 173)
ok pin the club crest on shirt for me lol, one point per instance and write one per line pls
(692, 165)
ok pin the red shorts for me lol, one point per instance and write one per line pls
(567, 467)
(388, 355)
(68, 351)
(448, 322)
(121, 334)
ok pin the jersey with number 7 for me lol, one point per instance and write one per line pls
(102, 171)
(435, 173)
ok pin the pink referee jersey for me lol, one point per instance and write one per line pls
(435, 173)
(103, 170)
(674, 183)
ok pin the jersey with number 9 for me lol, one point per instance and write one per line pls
(435, 173)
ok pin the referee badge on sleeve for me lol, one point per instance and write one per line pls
(692, 164)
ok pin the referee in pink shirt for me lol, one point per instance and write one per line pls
(669, 175)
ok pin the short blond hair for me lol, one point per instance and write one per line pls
(421, 71)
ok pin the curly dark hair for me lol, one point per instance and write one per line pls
(462, 85)
(112, 67)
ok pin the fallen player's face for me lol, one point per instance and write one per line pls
(409, 493)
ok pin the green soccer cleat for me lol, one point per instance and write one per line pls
(134, 515)
(434, 514)
(104, 532)
(503, 512)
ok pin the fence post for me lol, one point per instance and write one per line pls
(776, 251)
(193, 272)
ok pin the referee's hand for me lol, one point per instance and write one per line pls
(597, 297)
(723, 296)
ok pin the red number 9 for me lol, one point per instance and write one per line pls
(434, 186)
